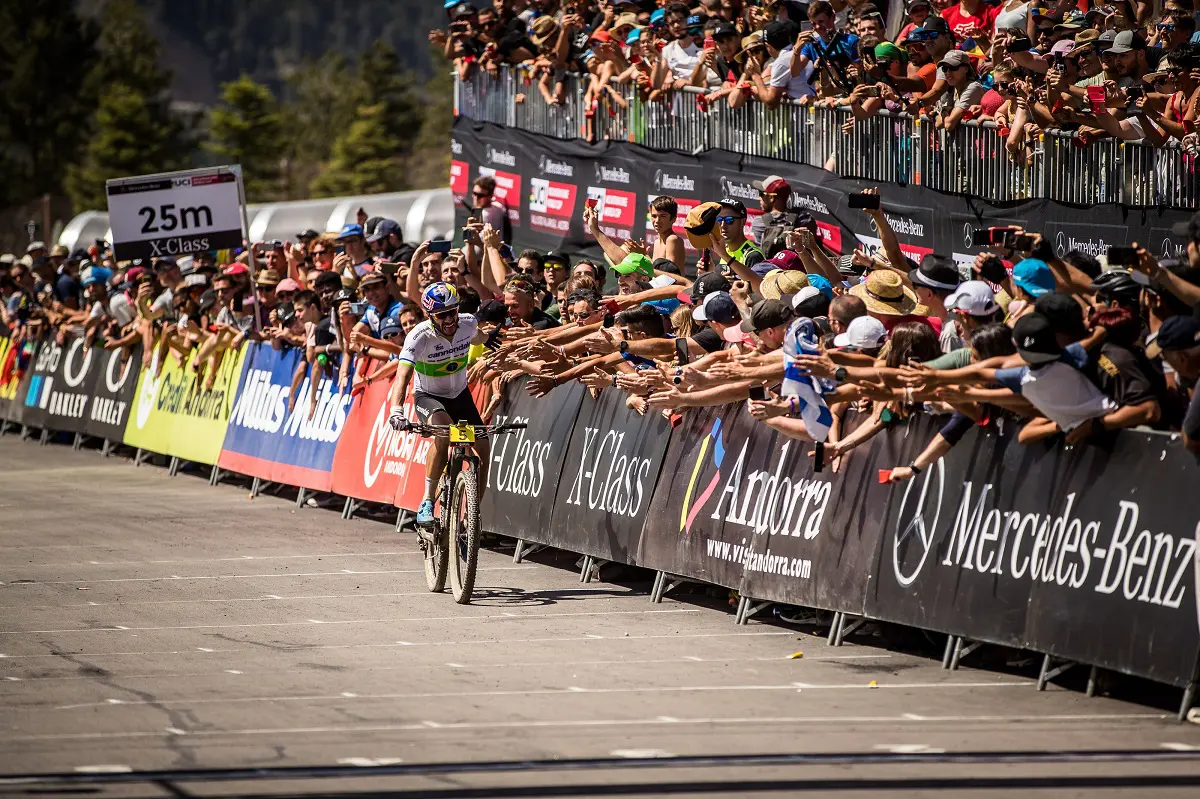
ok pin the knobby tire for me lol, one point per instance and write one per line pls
(437, 552)
(465, 535)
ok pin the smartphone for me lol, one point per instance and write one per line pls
(758, 393)
(1021, 45)
(981, 238)
(359, 308)
(612, 307)
(493, 339)
(867, 202)
(1122, 256)
(506, 252)
(590, 202)
(870, 91)
(1135, 93)
(388, 268)
(1096, 97)
(710, 43)
(441, 246)
(609, 320)
(1021, 243)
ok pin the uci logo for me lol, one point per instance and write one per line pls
(913, 538)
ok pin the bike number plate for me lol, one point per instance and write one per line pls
(462, 434)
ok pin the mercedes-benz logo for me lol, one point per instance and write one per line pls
(968, 234)
(1060, 243)
(599, 172)
(724, 181)
(542, 163)
(913, 537)
(658, 180)
(489, 153)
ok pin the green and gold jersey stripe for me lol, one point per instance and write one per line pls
(443, 369)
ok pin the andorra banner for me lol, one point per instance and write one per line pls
(279, 436)
(175, 412)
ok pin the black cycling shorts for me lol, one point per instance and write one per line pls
(461, 408)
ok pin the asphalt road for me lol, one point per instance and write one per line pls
(157, 623)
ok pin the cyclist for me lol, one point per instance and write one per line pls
(436, 351)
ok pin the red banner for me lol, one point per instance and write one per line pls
(373, 460)
(459, 178)
(551, 205)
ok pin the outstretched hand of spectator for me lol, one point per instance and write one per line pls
(768, 408)
(819, 365)
(666, 398)
(540, 386)
(597, 378)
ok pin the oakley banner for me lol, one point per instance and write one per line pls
(608, 478)
(61, 383)
(526, 467)
(280, 437)
(113, 390)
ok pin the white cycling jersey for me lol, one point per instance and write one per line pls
(440, 365)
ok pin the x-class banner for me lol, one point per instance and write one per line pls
(60, 386)
(280, 437)
(608, 478)
(175, 213)
(113, 390)
(181, 411)
(526, 467)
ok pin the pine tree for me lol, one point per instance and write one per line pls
(321, 103)
(383, 82)
(134, 131)
(365, 159)
(431, 155)
(45, 55)
(247, 128)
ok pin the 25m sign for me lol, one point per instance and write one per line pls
(175, 213)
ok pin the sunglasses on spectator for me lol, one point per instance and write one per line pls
(482, 193)
(729, 220)
(321, 251)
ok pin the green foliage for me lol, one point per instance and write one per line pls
(134, 131)
(365, 159)
(46, 53)
(247, 128)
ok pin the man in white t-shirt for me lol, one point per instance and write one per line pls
(683, 54)
(780, 84)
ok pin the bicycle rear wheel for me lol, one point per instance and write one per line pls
(464, 538)
(437, 554)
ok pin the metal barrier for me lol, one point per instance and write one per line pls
(886, 147)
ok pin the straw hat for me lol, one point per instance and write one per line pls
(885, 294)
(781, 282)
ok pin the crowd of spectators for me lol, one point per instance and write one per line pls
(1073, 346)
(1129, 70)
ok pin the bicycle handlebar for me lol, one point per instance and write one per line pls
(481, 431)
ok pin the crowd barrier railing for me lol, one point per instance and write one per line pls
(1049, 549)
(886, 147)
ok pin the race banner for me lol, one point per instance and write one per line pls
(113, 389)
(280, 437)
(8, 375)
(61, 384)
(608, 478)
(372, 461)
(176, 411)
(527, 466)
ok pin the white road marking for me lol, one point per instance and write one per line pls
(103, 769)
(318, 556)
(354, 621)
(232, 671)
(176, 731)
(748, 721)
(258, 576)
(451, 665)
(1178, 747)
(640, 753)
(913, 717)
(369, 761)
(565, 639)
(13, 679)
(572, 689)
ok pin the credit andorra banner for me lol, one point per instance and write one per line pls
(279, 436)
(176, 413)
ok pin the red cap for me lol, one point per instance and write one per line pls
(236, 269)
(602, 36)
(786, 259)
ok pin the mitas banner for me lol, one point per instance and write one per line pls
(181, 411)
(608, 478)
(280, 436)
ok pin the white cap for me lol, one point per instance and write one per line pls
(974, 298)
(195, 280)
(806, 293)
(863, 332)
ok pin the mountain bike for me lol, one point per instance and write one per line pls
(456, 525)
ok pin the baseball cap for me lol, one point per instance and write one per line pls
(973, 298)
(1126, 42)
(370, 279)
(390, 326)
(235, 269)
(1177, 333)
(936, 272)
(602, 36)
(766, 314)
(955, 58)
(717, 307)
(771, 184)
(736, 205)
(780, 34)
(1062, 313)
(95, 274)
(307, 233)
(935, 23)
(786, 260)
(822, 284)
(1034, 337)
(34, 246)
(163, 264)
(195, 281)
(1064, 47)
(706, 284)
(287, 284)
(635, 262)
(559, 257)
(634, 36)
(1033, 275)
(350, 231)
(724, 29)
(863, 332)
(385, 228)
(886, 51)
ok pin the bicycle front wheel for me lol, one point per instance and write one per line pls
(464, 538)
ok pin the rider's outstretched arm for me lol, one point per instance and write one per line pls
(404, 371)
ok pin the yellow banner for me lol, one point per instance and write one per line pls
(8, 388)
(175, 414)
